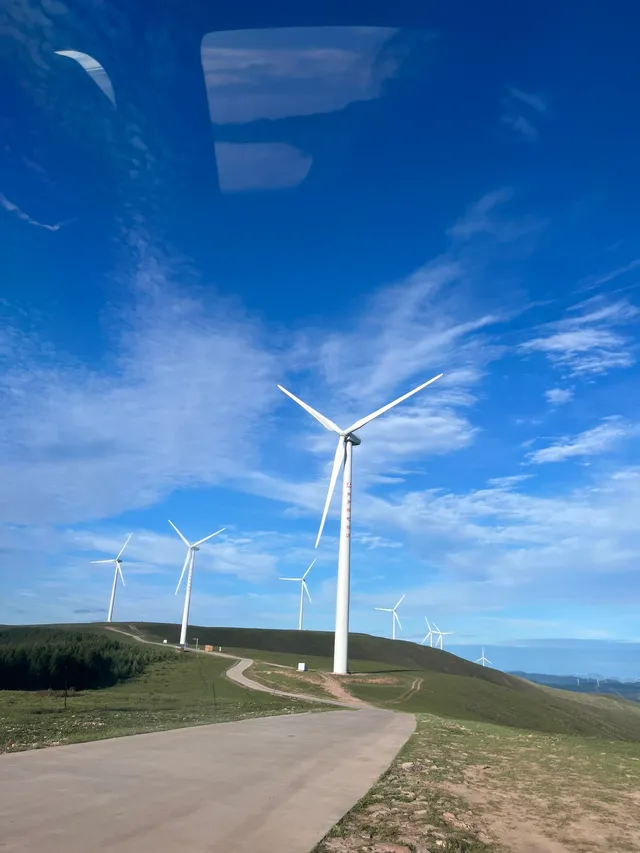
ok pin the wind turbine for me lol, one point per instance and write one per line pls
(429, 635)
(117, 571)
(394, 618)
(440, 634)
(347, 439)
(483, 660)
(190, 559)
(303, 589)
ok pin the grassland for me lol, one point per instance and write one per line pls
(179, 690)
(480, 787)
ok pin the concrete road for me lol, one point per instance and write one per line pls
(275, 784)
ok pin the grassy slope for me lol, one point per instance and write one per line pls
(319, 644)
(182, 690)
(448, 686)
(405, 676)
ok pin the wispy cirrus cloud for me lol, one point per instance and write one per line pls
(522, 110)
(13, 208)
(596, 281)
(588, 340)
(591, 442)
(82, 443)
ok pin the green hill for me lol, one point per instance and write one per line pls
(404, 676)
(319, 644)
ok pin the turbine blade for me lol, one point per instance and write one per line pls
(428, 625)
(326, 423)
(188, 544)
(363, 421)
(124, 546)
(121, 575)
(396, 617)
(309, 569)
(384, 609)
(112, 560)
(290, 579)
(306, 589)
(486, 660)
(338, 460)
(186, 560)
(210, 536)
(401, 600)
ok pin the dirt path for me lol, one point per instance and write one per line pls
(332, 684)
(415, 686)
(237, 673)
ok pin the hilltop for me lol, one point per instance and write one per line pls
(400, 654)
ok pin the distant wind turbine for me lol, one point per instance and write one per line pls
(429, 636)
(483, 660)
(394, 618)
(347, 439)
(440, 634)
(117, 571)
(190, 560)
(303, 589)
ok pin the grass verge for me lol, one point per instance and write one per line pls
(180, 690)
(476, 787)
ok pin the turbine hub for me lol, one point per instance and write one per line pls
(353, 438)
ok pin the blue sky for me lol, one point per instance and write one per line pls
(345, 210)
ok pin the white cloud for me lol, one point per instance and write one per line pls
(588, 340)
(596, 281)
(175, 407)
(529, 99)
(294, 71)
(259, 166)
(521, 110)
(13, 208)
(600, 439)
(556, 396)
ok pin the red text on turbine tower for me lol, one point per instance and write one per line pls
(348, 513)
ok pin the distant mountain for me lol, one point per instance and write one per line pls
(585, 684)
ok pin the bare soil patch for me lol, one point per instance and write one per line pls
(477, 787)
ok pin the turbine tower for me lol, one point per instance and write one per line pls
(483, 660)
(347, 439)
(440, 634)
(394, 618)
(303, 589)
(117, 571)
(429, 636)
(190, 559)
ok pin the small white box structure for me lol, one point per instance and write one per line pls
(302, 667)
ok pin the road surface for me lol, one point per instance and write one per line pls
(270, 785)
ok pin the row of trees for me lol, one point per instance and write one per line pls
(49, 659)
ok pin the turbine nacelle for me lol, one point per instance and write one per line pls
(352, 437)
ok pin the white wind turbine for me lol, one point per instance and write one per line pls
(117, 571)
(429, 636)
(303, 589)
(440, 634)
(343, 459)
(190, 559)
(483, 660)
(394, 618)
